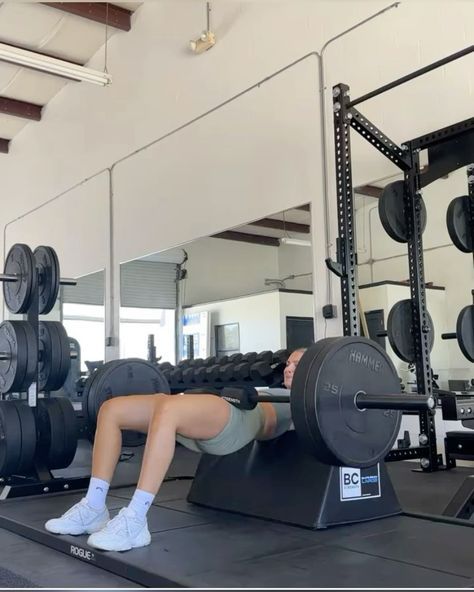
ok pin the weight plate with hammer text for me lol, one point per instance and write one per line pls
(326, 382)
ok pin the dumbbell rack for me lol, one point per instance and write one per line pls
(447, 152)
(40, 479)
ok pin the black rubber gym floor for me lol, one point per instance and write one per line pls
(198, 547)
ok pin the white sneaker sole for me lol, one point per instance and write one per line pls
(72, 532)
(124, 547)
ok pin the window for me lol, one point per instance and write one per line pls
(136, 324)
(85, 322)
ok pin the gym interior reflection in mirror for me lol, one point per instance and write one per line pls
(449, 274)
(244, 290)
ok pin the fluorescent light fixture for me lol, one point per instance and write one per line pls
(297, 242)
(36, 61)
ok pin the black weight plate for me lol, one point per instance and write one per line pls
(48, 267)
(400, 331)
(13, 343)
(64, 354)
(342, 434)
(52, 433)
(124, 377)
(32, 354)
(71, 432)
(28, 437)
(459, 223)
(300, 417)
(50, 364)
(70, 385)
(10, 439)
(85, 396)
(465, 331)
(19, 262)
(392, 212)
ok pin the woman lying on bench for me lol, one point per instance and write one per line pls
(203, 423)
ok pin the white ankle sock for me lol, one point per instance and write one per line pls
(97, 493)
(141, 502)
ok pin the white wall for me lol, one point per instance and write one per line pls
(294, 305)
(293, 260)
(261, 317)
(257, 154)
(258, 318)
(219, 269)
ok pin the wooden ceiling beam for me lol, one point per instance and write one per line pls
(281, 225)
(370, 190)
(99, 12)
(244, 237)
(4, 145)
(20, 109)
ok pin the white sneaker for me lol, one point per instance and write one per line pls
(124, 532)
(80, 519)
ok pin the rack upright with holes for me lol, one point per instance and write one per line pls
(448, 148)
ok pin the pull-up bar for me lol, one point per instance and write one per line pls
(414, 74)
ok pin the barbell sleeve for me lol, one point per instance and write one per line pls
(272, 398)
(396, 402)
(4, 356)
(5, 277)
(365, 401)
(448, 336)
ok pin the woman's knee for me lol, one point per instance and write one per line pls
(166, 409)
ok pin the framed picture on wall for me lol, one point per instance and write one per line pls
(227, 339)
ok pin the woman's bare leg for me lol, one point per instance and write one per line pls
(120, 413)
(198, 417)
(161, 416)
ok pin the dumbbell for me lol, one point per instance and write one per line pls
(249, 357)
(280, 356)
(242, 371)
(264, 356)
(212, 373)
(226, 372)
(200, 374)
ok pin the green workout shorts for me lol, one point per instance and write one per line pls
(241, 428)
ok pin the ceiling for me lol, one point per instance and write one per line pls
(52, 29)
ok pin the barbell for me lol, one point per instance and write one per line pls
(345, 399)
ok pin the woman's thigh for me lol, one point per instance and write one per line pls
(131, 412)
(199, 417)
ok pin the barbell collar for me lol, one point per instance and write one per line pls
(395, 402)
(4, 356)
(74, 355)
